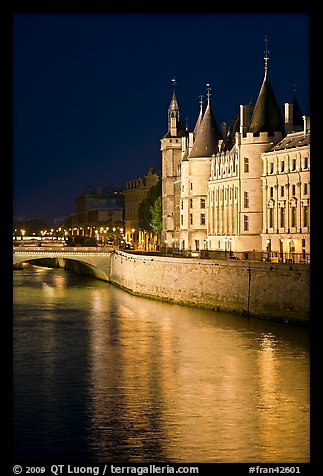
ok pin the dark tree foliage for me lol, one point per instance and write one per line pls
(145, 215)
(156, 219)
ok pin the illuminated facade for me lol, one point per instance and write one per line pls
(216, 180)
(286, 194)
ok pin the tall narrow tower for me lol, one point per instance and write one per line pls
(265, 129)
(171, 148)
(195, 177)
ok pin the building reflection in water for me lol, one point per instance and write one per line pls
(170, 383)
(283, 400)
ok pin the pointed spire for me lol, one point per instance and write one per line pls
(200, 117)
(266, 57)
(173, 113)
(266, 116)
(173, 103)
(208, 89)
(208, 133)
(201, 103)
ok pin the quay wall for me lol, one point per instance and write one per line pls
(269, 290)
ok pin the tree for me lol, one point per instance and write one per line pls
(156, 216)
(145, 214)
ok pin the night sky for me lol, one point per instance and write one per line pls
(91, 91)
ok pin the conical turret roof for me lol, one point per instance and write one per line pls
(266, 116)
(207, 136)
(297, 115)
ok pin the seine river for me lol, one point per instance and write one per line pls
(104, 376)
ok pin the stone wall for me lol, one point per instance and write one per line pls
(268, 290)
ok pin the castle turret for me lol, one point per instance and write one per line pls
(173, 114)
(171, 147)
(208, 133)
(266, 116)
(264, 131)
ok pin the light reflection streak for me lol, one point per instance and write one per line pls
(171, 383)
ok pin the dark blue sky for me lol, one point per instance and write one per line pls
(91, 91)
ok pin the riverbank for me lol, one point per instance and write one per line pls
(277, 291)
(269, 290)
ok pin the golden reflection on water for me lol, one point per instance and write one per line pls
(283, 407)
(149, 381)
(186, 385)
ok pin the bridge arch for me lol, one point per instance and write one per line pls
(81, 263)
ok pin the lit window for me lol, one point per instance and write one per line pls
(246, 223)
(294, 164)
(282, 166)
(246, 200)
(282, 217)
(305, 216)
(293, 218)
(271, 217)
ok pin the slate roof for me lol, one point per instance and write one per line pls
(297, 139)
(266, 116)
(207, 137)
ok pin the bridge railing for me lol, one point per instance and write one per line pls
(64, 249)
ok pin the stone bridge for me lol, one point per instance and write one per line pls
(93, 262)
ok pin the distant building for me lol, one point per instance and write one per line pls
(99, 210)
(239, 188)
(135, 192)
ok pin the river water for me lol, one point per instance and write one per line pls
(104, 376)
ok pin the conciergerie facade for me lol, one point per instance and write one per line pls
(240, 188)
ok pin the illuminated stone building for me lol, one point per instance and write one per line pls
(135, 192)
(97, 211)
(216, 180)
(286, 194)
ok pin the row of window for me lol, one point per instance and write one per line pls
(202, 203)
(223, 193)
(284, 168)
(202, 219)
(293, 190)
(221, 169)
(224, 167)
(293, 217)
